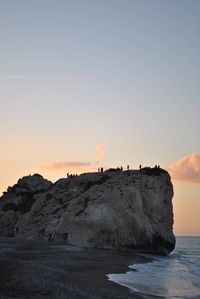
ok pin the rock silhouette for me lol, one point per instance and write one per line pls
(129, 210)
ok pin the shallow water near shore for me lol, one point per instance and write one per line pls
(173, 276)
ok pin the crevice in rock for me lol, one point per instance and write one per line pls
(89, 184)
(84, 207)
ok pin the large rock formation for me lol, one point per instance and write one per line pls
(128, 210)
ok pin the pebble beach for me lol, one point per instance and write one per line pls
(38, 269)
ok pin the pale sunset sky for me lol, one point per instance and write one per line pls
(89, 83)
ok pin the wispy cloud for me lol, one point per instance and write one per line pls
(100, 151)
(186, 169)
(12, 77)
(76, 166)
(68, 165)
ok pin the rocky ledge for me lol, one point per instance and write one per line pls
(126, 210)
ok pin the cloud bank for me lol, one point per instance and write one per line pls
(100, 151)
(66, 165)
(186, 169)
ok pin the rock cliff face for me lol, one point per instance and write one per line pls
(127, 210)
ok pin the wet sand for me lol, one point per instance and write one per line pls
(37, 269)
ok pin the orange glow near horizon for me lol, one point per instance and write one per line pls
(186, 206)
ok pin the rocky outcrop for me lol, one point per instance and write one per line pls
(128, 210)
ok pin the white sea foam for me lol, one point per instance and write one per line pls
(174, 276)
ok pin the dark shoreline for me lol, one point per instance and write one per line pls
(37, 269)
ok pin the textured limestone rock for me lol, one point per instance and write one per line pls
(128, 210)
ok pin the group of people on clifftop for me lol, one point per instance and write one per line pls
(100, 169)
(155, 169)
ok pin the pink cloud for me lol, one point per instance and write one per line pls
(186, 169)
(66, 165)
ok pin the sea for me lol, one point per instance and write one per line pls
(174, 276)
